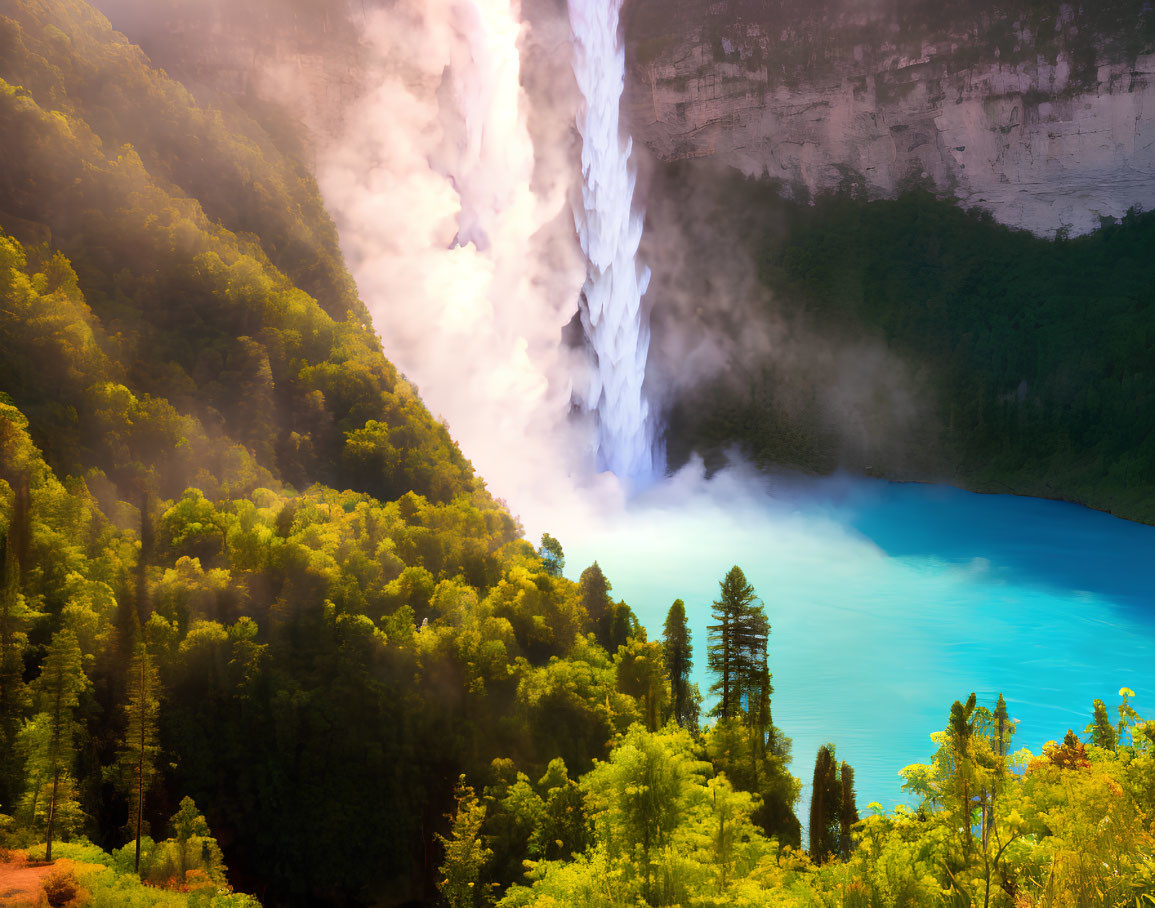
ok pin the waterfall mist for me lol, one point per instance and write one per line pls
(477, 220)
(451, 195)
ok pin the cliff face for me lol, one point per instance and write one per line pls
(1047, 119)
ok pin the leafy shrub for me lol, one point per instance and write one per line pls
(61, 888)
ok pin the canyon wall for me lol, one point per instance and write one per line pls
(1046, 119)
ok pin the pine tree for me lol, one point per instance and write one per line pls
(1101, 730)
(552, 556)
(13, 690)
(595, 593)
(728, 637)
(465, 853)
(848, 811)
(137, 757)
(676, 644)
(195, 847)
(1004, 728)
(825, 806)
(959, 731)
(752, 633)
(617, 626)
(53, 751)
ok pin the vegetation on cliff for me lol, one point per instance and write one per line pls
(1034, 354)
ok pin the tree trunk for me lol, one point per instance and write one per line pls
(140, 763)
(51, 815)
(725, 668)
(54, 757)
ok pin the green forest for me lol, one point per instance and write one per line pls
(266, 638)
(1033, 353)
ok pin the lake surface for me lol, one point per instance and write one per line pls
(887, 602)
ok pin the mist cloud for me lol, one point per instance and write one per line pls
(451, 183)
(456, 225)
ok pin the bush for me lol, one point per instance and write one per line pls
(61, 888)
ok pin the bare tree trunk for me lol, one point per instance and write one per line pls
(140, 765)
(51, 815)
(55, 758)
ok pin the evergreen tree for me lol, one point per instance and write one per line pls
(1004, 728)
(959, 732)
(53, 751)
(825, 806)
(753, 675)
(727, 636)
(193, 843)
(676, 644)
(595, 593)
(465, 853)
(848, 811)
(138, 751)
(13, 690)
(551, 555)
(617, 626)
(1101, 730)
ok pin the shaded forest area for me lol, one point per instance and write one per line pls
(1035, 354)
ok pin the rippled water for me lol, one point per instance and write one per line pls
(888, 602)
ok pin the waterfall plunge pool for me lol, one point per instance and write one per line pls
(889, 601)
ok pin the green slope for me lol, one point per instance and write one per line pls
(209, 273)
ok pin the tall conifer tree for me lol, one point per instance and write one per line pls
(139, 749)
(53, 751)
(676, 643)
(825, 806)
(13, 639)
(1004, 728)
(595, 592)
(726, 637)
(848, 810)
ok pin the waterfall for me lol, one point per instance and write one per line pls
(610, 229)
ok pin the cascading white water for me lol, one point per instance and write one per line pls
(610, 230)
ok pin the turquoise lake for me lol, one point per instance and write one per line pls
(889, 601)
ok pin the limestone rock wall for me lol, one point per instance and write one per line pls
(1046, 123)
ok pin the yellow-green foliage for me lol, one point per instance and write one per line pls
(112, 884)
(344, 651)
(1068, 829)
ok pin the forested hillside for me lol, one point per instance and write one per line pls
(1031, 357)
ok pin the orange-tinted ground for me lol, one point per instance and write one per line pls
(20, 882)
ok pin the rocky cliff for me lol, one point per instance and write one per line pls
(1043, 116)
